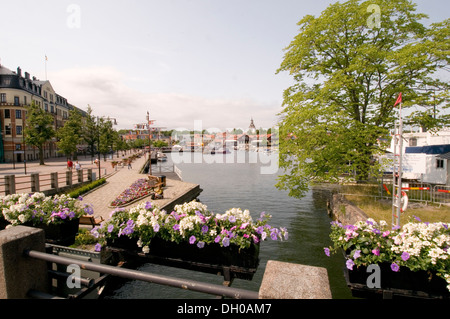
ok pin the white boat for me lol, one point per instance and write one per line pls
(161, 157)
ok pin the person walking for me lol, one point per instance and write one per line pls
(69, 164)
(77, 166)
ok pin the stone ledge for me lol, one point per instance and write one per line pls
(293, 281)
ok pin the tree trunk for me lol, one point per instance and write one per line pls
(41, 155)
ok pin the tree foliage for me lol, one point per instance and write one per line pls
(349, 65)
(70, 135)
(38, 129)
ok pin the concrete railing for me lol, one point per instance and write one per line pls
(50, 183)
(24, 272)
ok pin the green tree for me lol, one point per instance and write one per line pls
(90, 131)
(70, 135)
(38, 129)
(349, 66)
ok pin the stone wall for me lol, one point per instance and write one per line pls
(344, 211)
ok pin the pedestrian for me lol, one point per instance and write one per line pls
(96, 162)
(129, 165)
(77, 166)
(69, 164)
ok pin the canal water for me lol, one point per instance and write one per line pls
(247, 180)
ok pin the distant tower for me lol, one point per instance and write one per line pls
(251, 128)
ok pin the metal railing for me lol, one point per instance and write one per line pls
(416, 191)
(217, 290)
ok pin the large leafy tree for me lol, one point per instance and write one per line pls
(39, 128)
(349, 66)
(90, 131)
(70, 135)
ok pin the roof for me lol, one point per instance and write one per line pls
(445, 156)
(429, 149)
(4, 70)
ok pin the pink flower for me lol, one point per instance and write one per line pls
(376, 251)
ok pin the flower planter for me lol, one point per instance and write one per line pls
(62, 233)
(3, 223)
(243, 261)
(404, 282)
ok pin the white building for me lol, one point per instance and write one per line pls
(426, 157)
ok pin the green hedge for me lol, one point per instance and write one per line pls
(86, 188)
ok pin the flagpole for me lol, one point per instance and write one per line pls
(46, 67)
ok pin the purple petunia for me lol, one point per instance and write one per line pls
(350, 264)
(201, 244)
(192, 239)
(327, 251)
(405, 256)
(110, 228)
(394, 267)
(98, 247)
(226, 242)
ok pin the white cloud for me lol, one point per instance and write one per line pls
(105, 89)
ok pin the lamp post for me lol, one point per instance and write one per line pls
(149, 145)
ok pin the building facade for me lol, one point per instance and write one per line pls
(17, 92)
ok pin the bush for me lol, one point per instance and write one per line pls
(86, 188)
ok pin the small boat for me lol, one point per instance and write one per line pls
(161, 157)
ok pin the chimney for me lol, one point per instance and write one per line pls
(27, 75)
(19, 71)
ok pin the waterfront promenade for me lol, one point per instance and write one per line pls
(118, 179)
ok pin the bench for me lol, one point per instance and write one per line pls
(154, 182)
(90, 220)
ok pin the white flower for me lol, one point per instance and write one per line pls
(145, 249)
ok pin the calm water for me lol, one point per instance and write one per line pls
(238, 182)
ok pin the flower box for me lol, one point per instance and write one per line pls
(191, 234)
(210, 254)
(62, 233)
(58, 215)
(413, 258)
(404, 282)
(3, 223)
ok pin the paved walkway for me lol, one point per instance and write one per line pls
(124, 177)
(118, 179)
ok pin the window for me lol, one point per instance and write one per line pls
(439, 163)
(16, 101)
(18, 114)
(413, 141)
(8, 129)
(7, 114)
(46, 107)
(25, 100)
(3, 97)
(18, 130)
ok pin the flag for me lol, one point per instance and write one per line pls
(399, 99)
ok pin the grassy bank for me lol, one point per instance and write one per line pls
(381, 209)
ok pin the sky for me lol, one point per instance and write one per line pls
(208, 64)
